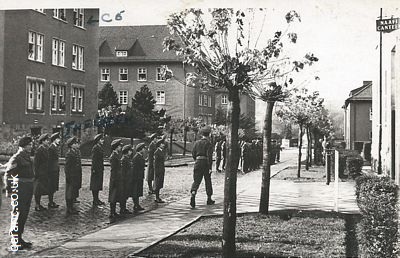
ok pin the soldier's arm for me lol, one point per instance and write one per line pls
(194, 152)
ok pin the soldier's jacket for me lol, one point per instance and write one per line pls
(203, 148)
(97, 158)
(126, 174)
(152, 149)
(138, 165)
(159, 158)
(53, 158)
(115, 174)
(20, 164)
(41, 163)
(73, 168)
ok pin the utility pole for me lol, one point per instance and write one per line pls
(380, 102)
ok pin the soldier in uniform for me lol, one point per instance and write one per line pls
(116, 185)
(159, 169)
(73, 174)
(41, 170)
(20, 165)
(126, 175)
(96, 177)
(218, 153)
(202, 154)
(54, 168)
(150, 165)
(138, 165)
(223, 147)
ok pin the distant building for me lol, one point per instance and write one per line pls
(132, 56)
(247, 104)
(358, 117)
(48, 70)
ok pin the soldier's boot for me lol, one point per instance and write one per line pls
(193, 199)
(210, 201)
(70, 208)
(113, 212)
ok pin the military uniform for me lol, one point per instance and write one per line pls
(54, 168)
(96, 178)
(159, 168)
(150, 165)
(116, 180)
(138, 165)
(218, 152)
(73, 173)
(41, 170)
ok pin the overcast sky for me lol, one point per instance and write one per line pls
(342, 33)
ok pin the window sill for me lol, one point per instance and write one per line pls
(74, 69)
(79, 27)
(60, 66)
(36, 61)
(59, 19)
(34, 111)
(54, 112)
(123, 81)
(77, 113)
(104, 80)
(142, 80)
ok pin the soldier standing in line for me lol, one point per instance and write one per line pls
(20, 165)
(116, 181)
(278, 151)
(223, 146)
(159, 169)
(97, 175)
(73, 174)
(245, 157)
(41, 169)
(218, 154)
(138, 165)
(202, 154)
(54, 168)
(150, 164)
(126, 176)
(273, 152)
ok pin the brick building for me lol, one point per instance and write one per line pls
(48, 70)
(247, 104)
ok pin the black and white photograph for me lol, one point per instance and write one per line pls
(199, 128)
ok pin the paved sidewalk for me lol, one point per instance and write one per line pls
(132, 235)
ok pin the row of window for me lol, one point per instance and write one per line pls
(36, 46)
(36, 92)
(205, 100)
(123, 97)
(123, 74)
(61, 14)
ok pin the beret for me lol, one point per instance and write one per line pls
(116, 143)
(126, 148)
(71, 141)
(140, 146)
(24, 141)
(154, 135)
(98, 137)
(43, 137)
(54, 136)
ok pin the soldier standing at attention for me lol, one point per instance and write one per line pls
(73, 174)
(126, 176)
(96, 177)
(115, 193)
(138, 165)
(20, 166)
(202, 154)
(41, 169)
(218, 153)
(150, 165)
(54, 168)
(159, 169)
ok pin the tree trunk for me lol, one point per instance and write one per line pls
(232, 146)
(170, 142)
(300, 145)
(310, 146)
(316, 149)
(266, 174)
(308, 149)
(184, 140)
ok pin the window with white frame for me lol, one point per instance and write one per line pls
(209, 101)
(160, 97)
(123, 97)
(200, 100)
(105, 74)
(77, 99)
(35, 89)
(121, 53)
(77, 57)
(79, 17)
(58, 52)
(35, 47)
(57, 101)
(205, 100)
(142, 74)
(60, 14)
(224, 99)
(123, 74)
(159, 75)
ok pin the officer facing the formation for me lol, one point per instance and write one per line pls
(150, 165)
(41, 169)
(73, 174)
(202, 154)
(96, 177)
(116, 185)
(54, 168)
(20, 165)
(138, 165)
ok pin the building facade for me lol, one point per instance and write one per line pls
(48, 70)
(133, 56)
(358, 117)
(247, 104)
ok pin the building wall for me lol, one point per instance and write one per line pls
(2, 27)
(361, 122)
(247, 104)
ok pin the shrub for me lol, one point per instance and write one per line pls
(343, 167)
(354, 165)
(377, 198)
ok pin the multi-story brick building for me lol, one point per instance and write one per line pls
(247, 104)
(48, 69)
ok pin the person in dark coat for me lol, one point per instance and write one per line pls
(54, 168)
(159, 169)
(218, 154)
(96, 177)
(41, 170)
(138, 165)
(73, 174)
(223, 146)
(116, 185)
(150, 164)
(126, 168)
(202, 154)
(20, 165)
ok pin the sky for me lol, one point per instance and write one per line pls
(341, 33)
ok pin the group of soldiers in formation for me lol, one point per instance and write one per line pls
(251, 154)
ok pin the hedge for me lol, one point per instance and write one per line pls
(354, 166)
(351, 168)
(377, 199)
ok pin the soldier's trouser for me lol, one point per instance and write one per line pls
(25, 193)
(201, 170)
